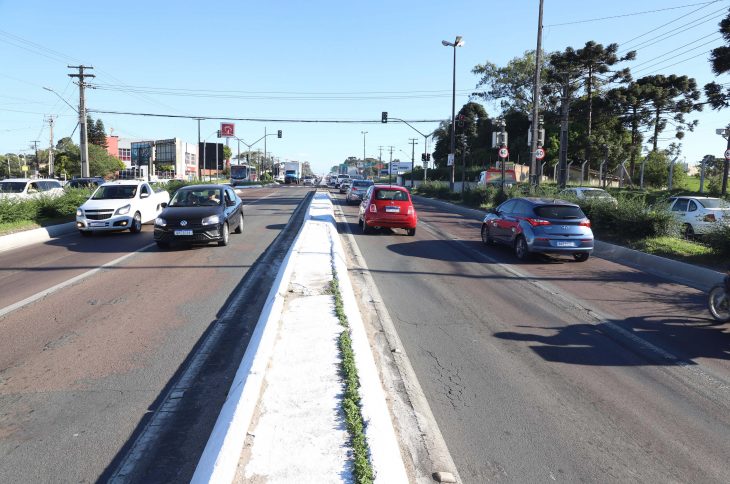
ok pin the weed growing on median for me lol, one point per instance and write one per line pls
(351, 402)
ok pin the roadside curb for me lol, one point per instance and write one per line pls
(28, 237)
(690, 275)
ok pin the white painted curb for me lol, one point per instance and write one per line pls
(35, 236)
(385, 455)
(220, 457)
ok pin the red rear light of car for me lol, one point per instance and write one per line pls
(410, 210)
(373, 208)
(537, 221)
(585, 223)
(710, 217)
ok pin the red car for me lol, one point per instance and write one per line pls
(387, 206)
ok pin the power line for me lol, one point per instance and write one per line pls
(629, 14)
(677, 54)
(681, 17)
(264, 120)
(673, 51)
(684, 60)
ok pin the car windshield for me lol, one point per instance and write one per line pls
(396, 195)
(359, 183)
(196, 198)
(12, 187)
(596, 194)
(111, 192)
(714, 203)
(560, 212)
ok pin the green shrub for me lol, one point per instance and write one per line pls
(64, 206)
(173, 185)
(17, 210)
(630, 220)
(719, 240)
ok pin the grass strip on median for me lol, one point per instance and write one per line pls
(363, 469)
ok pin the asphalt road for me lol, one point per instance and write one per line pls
(553, 369)
(120, 374)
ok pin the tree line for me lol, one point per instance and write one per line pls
(609, 114)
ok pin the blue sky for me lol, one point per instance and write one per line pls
(316, 60)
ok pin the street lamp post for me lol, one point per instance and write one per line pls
(457, 43)
(363, 146)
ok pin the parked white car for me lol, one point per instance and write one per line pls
(588, 193)
(24, 188)
(699, 215)
(120, 205)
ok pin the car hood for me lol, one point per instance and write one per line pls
(110, 203)
(189, 213)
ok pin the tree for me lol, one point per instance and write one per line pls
(101, 163)
(631, 103)
(96, 133)
(670, 98)
(720, 60)
(590, 68)
(511, 85)
(227, 153)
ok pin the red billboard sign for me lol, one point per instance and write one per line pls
(228, 130)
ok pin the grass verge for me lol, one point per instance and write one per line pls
(363, 470)
(682, 250)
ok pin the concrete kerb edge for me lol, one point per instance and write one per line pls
(219, 460)
(34, 236)
(385, 452)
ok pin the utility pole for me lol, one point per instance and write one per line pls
(264, 164)
(35, 148)
(200, 173)
(413, 157)
(83, 133)
(390, 165)
(51, 120)
(564, 111)
(536, 104)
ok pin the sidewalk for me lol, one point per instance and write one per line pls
(283, 420)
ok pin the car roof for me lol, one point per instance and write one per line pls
(206, 187)
(545, 201)
(391, 187)
(20, 179)
(125, 182)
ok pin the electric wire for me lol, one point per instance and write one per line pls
(650, 66)
(674, 51)
(634, 14)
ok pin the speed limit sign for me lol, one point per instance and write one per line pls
(503, 153)
(539, 154)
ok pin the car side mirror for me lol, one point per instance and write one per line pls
(231, 203)
(163, 204)
(144, 195)
(493, 210)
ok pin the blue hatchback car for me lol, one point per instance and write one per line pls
(539, 225)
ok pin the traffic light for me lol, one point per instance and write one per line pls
(384, 117)
(219, 133)
(460, 120)
(278, 134)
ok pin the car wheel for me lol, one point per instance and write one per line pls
(687, 231)
(163, 245)
(365, 228)
(136, 226)
(359, 222)
(86, 233)
(522, 252)
(581, 256)
(411, 232)
(239, 227)
(225, 234)
(486, 237)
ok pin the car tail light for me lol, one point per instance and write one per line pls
(585, 223)
(410, 210)
(537, 221)
(710, 217)
(373, 208)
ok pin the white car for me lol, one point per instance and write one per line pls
(699, 215)
(589, 193)
(24, 188)
(120, 205)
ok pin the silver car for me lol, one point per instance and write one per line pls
(539, 225)
(357, 190)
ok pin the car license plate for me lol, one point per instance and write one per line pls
(392, 209)
(184, 232)
(561, 243)
(97, 224)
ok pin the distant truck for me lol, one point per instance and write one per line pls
(292, 172)
(239, 174)
(120, 205)
(493, 177)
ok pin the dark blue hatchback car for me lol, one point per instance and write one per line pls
(539, 225)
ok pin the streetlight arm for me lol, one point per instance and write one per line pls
(414, 129)
(61, 98)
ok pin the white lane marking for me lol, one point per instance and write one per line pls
(599, 317)
(73, 280)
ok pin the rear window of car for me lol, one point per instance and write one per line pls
(361, 183)
(396, 195)
(560, 212)
(714, 203)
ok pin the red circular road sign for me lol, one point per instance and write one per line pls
(727, 154)
(503, 153)
(539, 154)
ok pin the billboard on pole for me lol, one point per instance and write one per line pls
(228, 130)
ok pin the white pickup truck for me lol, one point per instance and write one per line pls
(120, 205)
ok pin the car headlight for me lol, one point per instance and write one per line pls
(213, 219)
(160, 222)
(79, 212)
(123, 210)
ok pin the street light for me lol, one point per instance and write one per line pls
(457, 43)
(363, 145)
